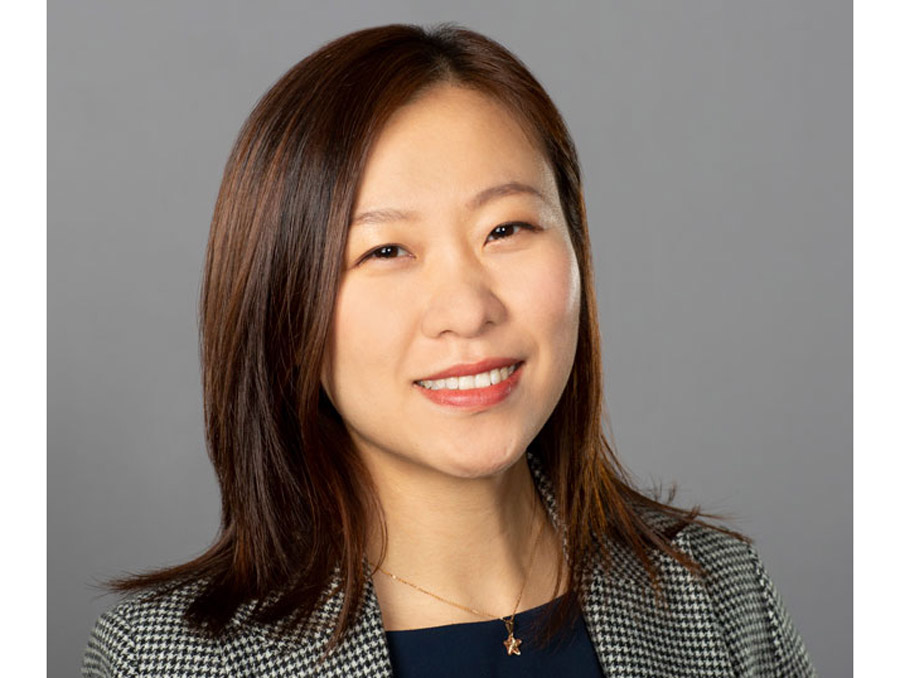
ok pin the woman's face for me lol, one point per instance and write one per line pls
(458, 262)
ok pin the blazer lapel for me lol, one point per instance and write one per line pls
(258, 650)
(635, 635)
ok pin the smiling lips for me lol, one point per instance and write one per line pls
(477, 385)
(463, 370)
(470, 381)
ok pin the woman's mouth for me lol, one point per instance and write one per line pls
(474, 391)
(471, 381)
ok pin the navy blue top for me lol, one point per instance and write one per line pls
(476, 649)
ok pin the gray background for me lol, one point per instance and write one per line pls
(715, 140)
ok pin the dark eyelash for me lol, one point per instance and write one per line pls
(372, 254)
(511, 224)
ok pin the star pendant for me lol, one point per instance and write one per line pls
(512, 645)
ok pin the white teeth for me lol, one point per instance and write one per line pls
(480, 380)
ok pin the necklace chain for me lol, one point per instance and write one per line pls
(511, 644)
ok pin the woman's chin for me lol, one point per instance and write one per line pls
(472, 465)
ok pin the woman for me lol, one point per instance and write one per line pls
(402, 389)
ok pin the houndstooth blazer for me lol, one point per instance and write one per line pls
(731, 623)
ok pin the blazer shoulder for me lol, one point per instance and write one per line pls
(751, 612)
(147, 634)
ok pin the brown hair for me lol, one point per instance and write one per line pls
(296, 500)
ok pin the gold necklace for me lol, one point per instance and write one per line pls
(512, 644)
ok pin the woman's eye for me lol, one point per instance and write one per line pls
(506, 230)
(385, 252)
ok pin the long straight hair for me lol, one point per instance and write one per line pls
(296, 500)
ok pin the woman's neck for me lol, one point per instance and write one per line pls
(468, 540)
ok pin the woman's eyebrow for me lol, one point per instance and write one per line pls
(386, 215)
(501, 190)
(382, 216)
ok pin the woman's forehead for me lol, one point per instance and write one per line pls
(453, 144)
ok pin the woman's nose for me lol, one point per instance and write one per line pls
(461, 298)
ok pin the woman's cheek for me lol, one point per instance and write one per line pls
(559, 308)
(372, 323)
(553, 288)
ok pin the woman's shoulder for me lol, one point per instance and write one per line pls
(147, 633)
(730, 565)
(721, 552)
(743, 597)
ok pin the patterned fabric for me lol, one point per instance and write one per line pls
(730, 623)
